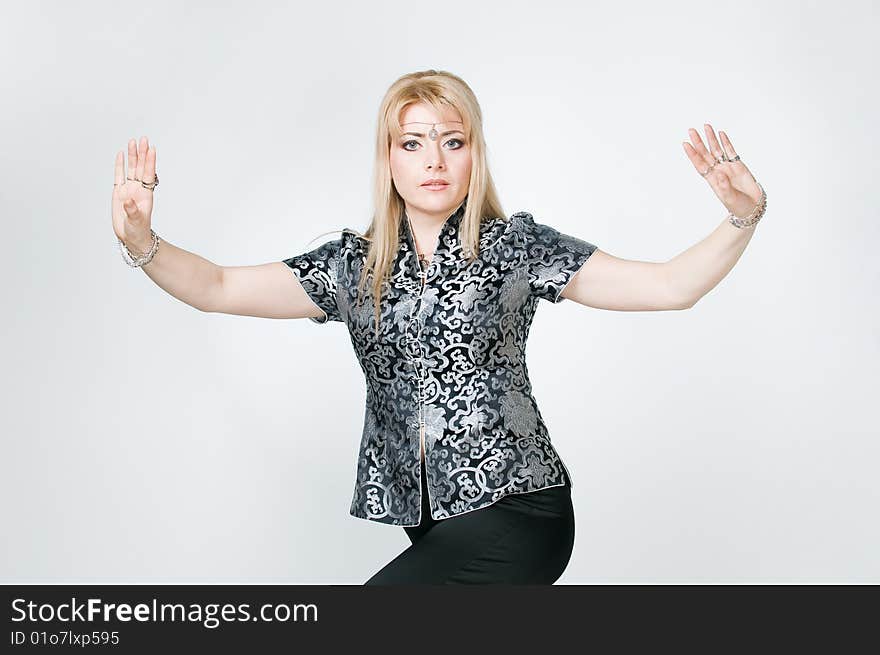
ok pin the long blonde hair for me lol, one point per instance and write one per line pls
(439, 89)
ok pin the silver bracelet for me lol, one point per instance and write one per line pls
(755, 214)
(133, 261)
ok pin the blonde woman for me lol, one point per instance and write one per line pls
(438, 296)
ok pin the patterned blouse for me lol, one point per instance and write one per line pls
(449, 359)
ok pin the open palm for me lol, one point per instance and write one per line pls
(131, 202)
(731, 181)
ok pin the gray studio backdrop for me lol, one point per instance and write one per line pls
(145, 441)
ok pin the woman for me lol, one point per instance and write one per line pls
(438, 296)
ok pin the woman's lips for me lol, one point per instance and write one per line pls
(435, 187)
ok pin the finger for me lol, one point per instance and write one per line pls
(738, 167)
(132, 158)
(118, 171)
(699, 147)
(142, 158)
(150, 166)
(695, 157)
(728, 146)
(714, 146)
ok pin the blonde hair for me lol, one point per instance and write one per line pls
(439, 89)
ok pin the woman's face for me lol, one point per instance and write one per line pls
(416, 158)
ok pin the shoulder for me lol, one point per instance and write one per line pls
(524, 226)
(523, 222)
(498, 229)
(350, 240)
(350, 235)
(540, 237)
(521, 217)
(532, 230)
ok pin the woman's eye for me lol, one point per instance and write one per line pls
(406, 143)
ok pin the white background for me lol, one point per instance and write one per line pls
(145, 441)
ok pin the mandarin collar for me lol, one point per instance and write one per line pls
(451, 222)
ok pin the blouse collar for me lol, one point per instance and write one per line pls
(449, 225)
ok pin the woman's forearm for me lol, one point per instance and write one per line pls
(186, 276)
(696, 271)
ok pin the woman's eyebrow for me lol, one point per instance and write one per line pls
(443, 134)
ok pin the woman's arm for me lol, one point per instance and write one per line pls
(270, 290)
(188, 277)
(265, 291)
(695, 272)
(609, 282)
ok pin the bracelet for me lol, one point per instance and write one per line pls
(133, 261)
(755, 214)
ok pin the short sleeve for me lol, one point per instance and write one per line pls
(317, 272)
(553, 258)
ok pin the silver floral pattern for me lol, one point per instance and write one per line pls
(450, 358)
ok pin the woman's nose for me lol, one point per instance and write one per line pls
(434, 156)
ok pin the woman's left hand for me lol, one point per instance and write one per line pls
(730, 180)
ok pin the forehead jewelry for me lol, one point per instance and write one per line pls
(433, 133)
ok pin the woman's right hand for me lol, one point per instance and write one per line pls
(131, 203)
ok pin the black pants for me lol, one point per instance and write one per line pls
(524, 538)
